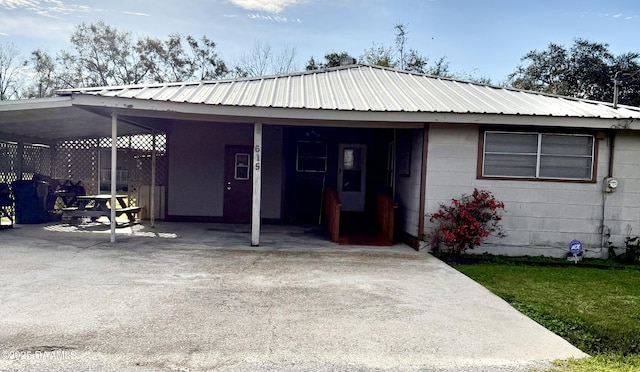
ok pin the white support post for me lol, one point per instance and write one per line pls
(114, 167)
(152, 192)
(257, 184)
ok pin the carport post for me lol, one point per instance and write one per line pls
(257, 184)
(114, 166)
(152, 192)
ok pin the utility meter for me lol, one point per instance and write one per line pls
(610, 184)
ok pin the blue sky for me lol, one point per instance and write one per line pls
(478, 37)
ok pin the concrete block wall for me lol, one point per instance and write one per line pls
(541, 217)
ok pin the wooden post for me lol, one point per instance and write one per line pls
(114, 167)
(257, 184)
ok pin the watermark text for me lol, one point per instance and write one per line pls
(55, 354)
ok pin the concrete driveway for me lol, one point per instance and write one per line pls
(195, 297)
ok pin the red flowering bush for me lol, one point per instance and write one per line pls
(467, 221)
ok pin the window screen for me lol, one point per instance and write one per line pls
(538, 155)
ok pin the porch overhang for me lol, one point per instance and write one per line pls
(49, 120)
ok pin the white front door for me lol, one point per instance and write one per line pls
(352, 165)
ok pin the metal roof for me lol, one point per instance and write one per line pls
(365, 88)
(356, 95)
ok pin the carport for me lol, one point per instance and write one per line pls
(73, 119)
(54, 138)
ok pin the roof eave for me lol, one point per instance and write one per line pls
(35, 104)
(275, 115)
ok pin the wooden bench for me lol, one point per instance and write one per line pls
(332, 211)
(385, 217)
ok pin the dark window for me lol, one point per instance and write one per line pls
(311, 157)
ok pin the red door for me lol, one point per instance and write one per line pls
(237, 184)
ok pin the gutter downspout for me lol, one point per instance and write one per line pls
(604, 230)
(612, 143)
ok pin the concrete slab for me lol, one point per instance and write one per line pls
(196, 297)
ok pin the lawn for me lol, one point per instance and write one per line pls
(595, 309)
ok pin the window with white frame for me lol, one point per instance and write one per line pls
(538, 155)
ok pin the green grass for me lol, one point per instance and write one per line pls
(595, 306)
(599, 363)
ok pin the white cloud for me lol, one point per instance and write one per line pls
(137, 14)
(274, 18)
(45, 30)
(46, 8)
(617, 15)
(270, 6)
(15, 4)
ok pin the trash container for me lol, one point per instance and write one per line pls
(30, 201)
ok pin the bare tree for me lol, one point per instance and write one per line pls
(261, 60)
(401, 44)
(256, 61)
(11, 70)
(285, 60)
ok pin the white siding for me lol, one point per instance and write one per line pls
(408, 188)
(540, 218)
(196, 167)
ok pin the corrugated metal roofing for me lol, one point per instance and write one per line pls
(367, 88)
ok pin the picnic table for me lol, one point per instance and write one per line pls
(96, 206)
